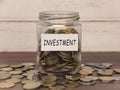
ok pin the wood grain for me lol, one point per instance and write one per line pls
(88, 9)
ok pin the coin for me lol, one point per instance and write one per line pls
(86, 72)
(109, 65)
(32, 85)
(86, 79)
(116, 78)
(102, 66)
(93, 77)
(62, 81)
(6, 69)
(3, 65)
(106, 79)
(92, 64)
(73, 77)
(13, 80)
(26, 68)
(4, 75)
(28, 64)
(49, 78)
(87, 83)
(105, 72)
(25, 81)
(57, 87)
(17, 76)
(6, 85)
(117, 70)
(15, 72)
(17, 66)
(48, 83)
(72, 84)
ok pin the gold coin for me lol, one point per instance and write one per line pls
(17, 76)
(73, 77)
(3, 72)
(57, 87)
(26, 81)
(72, 84)
(6, 84)
(86, 72)
(17, 66)
(15, 72)
(6, 69)
(117, 70)
(105, 72)
(32, 85)
(13, 80)
(106, 79)
(28, 64)
(93, 77)
(49, 78)
(4, 75)
(3, 65)
(48, 83)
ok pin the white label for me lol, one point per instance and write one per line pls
(59, 42)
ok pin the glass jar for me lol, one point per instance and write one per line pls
(59, 42)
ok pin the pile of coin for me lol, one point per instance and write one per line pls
(31, 79)
(59, 61)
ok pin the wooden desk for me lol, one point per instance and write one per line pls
(112, 57)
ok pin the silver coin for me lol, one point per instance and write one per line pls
(86, 79)
(87, 83)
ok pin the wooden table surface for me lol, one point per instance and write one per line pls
(112, 57)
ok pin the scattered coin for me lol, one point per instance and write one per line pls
(93, 77)
(106, 79)
(116, 78)
(13, 80)
(17, 72)
(49, 78)
(57, 87)
(6, 85)
(92, 64)
(6, 69)
(17, 76)
(109, 65)
(108, 72)
(117, 70)
(48, 83)
(4, 75)
(25, 81)
(86, 79)
(62, 81)
(17, 66)
(28, 64)
(3, 65)
(85, 72)
(61, 75)
(72, 84)
(32, 85)
(87, 83)
(73, 77)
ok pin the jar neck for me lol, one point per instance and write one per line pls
(52, 17)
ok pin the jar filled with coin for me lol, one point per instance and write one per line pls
(59, 42)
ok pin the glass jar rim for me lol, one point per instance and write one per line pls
(51, 15)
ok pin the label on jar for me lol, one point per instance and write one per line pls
(59, 42)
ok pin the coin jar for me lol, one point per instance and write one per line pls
(59, 42)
